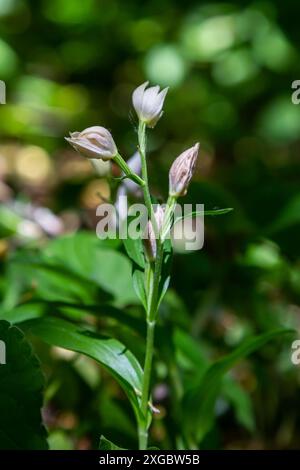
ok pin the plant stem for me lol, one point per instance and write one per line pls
(127, 171)
(142, 151)
(152, 276)
(143, 431)
(156, 279)
(151, 322)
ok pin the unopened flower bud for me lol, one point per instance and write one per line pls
(148, 103)
(151, 236)
(181, 171)
(94, 142)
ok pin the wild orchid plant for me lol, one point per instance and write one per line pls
(151, 276)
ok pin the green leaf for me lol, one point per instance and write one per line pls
(105, 444)
(73, 311)
(115, 416)
(134, 247)
(204, 213)
(139, 286)
(29, 273)
(166, 269)
(214, 195)
(77, 268)
(53, 282)
(289, 216)
(9, 221)
(240, 401)
(96, 261)
(60, 440)
(199, 420)
(189, 351)
(76, 249)
(109, 352)
(23, 312)
(21, 386)
(135, 251)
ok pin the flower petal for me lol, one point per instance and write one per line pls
(137, 97)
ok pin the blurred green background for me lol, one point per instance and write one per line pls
(71, 64)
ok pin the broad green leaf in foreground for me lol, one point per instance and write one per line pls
(21, 385)
(38, 308)
(96, 261)
(199, 419)
(75, 268)
(107, 351)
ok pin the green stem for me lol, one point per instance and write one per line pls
(156, 280)
(152, 276)
(127, 171)
(151, 321)
(143, 431)
(142, 151)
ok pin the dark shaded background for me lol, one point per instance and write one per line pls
(70, 64)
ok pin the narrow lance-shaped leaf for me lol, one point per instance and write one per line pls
(198, 420)
(240, 401)
(134, 247)
(212, 212)
(107, 351)
(138, 280)
(166, 269)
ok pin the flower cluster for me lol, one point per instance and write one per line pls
(96, 143)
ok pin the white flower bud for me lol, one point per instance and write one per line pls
(94, 142)
(181, 171)
(150, 239)
(148, 103)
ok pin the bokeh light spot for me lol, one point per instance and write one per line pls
(165, 65)
(272, 49)
(69, 11)
(280, 121)
(207, 38)
(96, 192)
(7, 7)
(33, 164)
(235, 67)
(145, 33)
(8, 60)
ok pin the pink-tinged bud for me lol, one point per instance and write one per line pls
(94, 142)
(148, 103)
(182, 170)
(151, 236)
